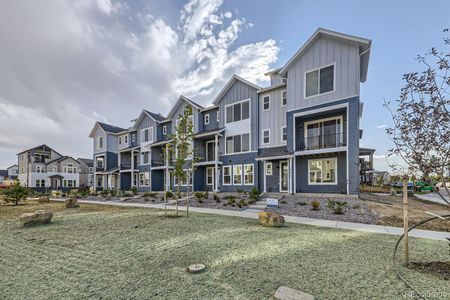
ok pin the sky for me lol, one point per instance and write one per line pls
(66, 64)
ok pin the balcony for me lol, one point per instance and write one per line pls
(322, 142)
(99, 169)
(125, 166)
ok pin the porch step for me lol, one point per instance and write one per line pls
(259, 205)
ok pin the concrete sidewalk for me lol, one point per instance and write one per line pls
(253, 214)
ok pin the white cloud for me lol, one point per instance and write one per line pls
(381, 126)
(65, 64)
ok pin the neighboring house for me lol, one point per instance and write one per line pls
(42, 168)
(13, 172)
(3, 175)
(366, 171)
(382, 177)
(300, 134)
(86, 172)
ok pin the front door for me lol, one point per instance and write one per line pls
(284, 176)
(210, 151)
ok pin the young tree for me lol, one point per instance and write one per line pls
(181, 149)
(421, 131)
(167, 159)
(15, 193)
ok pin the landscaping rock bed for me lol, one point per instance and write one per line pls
(302, 206)
(224, 201)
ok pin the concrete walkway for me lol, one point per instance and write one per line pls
(253, 214)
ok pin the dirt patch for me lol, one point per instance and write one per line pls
(390, 211)
(440, 269)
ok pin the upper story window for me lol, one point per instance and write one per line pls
(91, 170)
(283, 98)
(133, 137)
(40, 169)
(206, 119)
(218, 116)
(237, 112)
(69, 168)
(55, 169)
(126, 139)
(266, 136)
(99, 162)
(100, 142)
(319, 81)
(283, 134)
(120, 140)
(238, 143)
(147, 135)
(164, 129)
(266, 102)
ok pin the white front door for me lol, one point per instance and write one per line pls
(210, 176)
(284, 176)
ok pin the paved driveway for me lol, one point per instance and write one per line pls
(433, 197)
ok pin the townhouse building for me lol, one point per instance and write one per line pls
(13, 172)
(42, 168)
(300, 134)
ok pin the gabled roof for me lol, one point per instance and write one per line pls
(179, 101)
(364, 49)
(12, 166)
(88, 161)
(40, 146)
(59, 159)
(158, 118)
(230, 83)
(107, 128)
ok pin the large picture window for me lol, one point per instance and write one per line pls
(226, 175)
(324, 133)
(322, 171)
(237, 174)
(319, 81)
(248, 174)
(144, 179)
(238, 143)
(237, 112)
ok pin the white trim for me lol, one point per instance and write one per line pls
(238, 102)
(281, 172)
(238, 153)
(273, 157)
(212, 176)
(223, 174)
(318, 81)
(324, 183)
(339, 117)
(253, 174)
(263, 97)
(306, 108)
(283, 142)
(320, 151)
(347, 162)
(218, 115)
(281, 97)
(164, 129)
(295, 175)
(241, 134)
(206, 119)
(271, 169)
(234, 174)
(263, 131)
(229, 84)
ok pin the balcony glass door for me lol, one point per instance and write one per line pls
(325, 133)
(210, 151)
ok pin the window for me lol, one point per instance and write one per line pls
(238, 143)
(319, 81)
(100, 142)
(237, 174)
(126, 139)
(184, 181)
(206, 119)
(99, 162)
(283, 134)
(266, 136)
(135, 179)
(248, 174)
(69, 168)
(55, 169)
(226, 175)
(269, 168)
(283, 98)
(133, 138)
(120, 140)
(165, 129)
(237, 112)
(147, 135)
(144, 179)
(145, 157)
(266, 102)
(209, 176)
(322, 171)
(40, 183)
(324, 133)
(91, 170)
(40, 169)
(218, 116)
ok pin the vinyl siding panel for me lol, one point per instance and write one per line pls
(273, 119)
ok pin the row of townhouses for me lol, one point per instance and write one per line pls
(300, 134)
(42, 168)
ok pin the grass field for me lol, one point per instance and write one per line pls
(120, 253)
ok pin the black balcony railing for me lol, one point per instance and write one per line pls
(322, 141)
(125, 166)
(99, 169)
(157, 163)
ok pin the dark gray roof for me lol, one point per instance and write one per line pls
(129, 148)
(157, 117)
(110, 128)
(12, 167)
(206, 132)
(44, 146)
(88, 161)
(61, 159)
(274, 152)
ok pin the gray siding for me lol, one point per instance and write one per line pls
(145, 122)
(324, 52)
(97, 133)
(212, 120)
(111, 144)
(180, 110)
(275, 78)
(240, 91)
(273, 119)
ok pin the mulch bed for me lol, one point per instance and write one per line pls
(439, 269)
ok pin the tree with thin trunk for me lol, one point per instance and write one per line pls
(167, 159)
(181, 150)
(15, 193)
(421, 118)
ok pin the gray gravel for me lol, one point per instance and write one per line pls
(211, 203)
(354, 211)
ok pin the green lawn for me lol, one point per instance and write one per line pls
(102, 254)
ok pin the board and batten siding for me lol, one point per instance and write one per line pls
(99, 132)
(324, 52)
(240, 91)
(273, 119)
(145, 122)
(179, 111)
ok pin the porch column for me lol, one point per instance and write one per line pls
(119, 159)
(166, 158)
(132, 167)
(295, 174)
(94, 182)
(290, 176)
(264, 175)
(216, 163)
(119, 182)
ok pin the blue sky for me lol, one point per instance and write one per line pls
(66, 64)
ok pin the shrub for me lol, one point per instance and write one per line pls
(315, 205)
(134, 190)
(283, 201)
(302, 203)
(113, 193)
(238, 205)
(206, 194)
(15, 193)
(254, 194)
(199, 196)
(230, 199)
(336, 206)
(216, 198)
(104, 193)
(240, 191)
(169, 194)
(242, 203)
(224, 204)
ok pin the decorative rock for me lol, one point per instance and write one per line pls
(196, 268)
(285, 293)
(37, 218)
(72, 203)
(43, 199)
(270, 219)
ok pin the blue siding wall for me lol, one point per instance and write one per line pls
(157, 180)
(213, 124)
(245, 158)
(111, 160)
(125, 181)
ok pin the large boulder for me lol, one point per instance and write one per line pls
(270, 219)
(37, 218)
(44, 199)
(71, 203)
